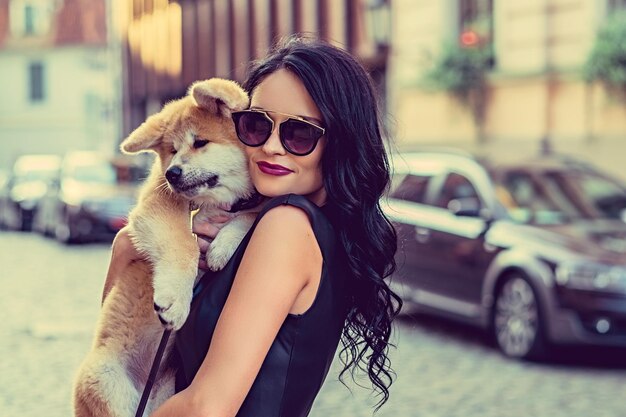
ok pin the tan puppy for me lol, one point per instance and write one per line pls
(200, 162)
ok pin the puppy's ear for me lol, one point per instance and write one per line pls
(146, 137)
(219, 96)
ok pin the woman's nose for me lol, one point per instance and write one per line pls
(273, 146)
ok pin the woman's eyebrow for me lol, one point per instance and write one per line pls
(307, 118)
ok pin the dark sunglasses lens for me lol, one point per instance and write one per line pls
(253, 128)
(299, 137)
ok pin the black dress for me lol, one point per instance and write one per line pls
(299, 358)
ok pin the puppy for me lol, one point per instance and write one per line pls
(200, 164)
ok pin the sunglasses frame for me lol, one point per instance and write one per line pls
(290, 117)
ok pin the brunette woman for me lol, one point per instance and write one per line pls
(263, 332)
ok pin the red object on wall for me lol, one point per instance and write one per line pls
(469, 38)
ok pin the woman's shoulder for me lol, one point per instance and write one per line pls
(294, 214)
(283, 218)
(290, 200)
(279, 215)
(284, 237)
(319, 218)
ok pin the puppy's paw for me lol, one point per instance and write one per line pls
(227, 240)
(172, 310)
(172, 299)
(219, 254)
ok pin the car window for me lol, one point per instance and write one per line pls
(36, 174)
(527, 201)
(102, 172)
(410, 187)
(595, 195)
(456, 186)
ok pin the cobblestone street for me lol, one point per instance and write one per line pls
(50, 299)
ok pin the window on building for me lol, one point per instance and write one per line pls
(36, 81)
(475, 22)
(29, 20)
(31, 17)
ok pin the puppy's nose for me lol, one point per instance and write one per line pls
(212, 181)
(173, 174)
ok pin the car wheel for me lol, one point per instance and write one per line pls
(24, 223)
(63, 231)
(517, 325)
(47, 230)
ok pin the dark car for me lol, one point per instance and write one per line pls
(26, 185)
(89, 201)
(534, 252)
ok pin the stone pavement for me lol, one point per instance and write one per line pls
(50, 299)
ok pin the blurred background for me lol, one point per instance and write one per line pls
(507, 127)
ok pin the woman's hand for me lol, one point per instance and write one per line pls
(206, 228)
(123, 254)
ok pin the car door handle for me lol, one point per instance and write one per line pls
(422, 235)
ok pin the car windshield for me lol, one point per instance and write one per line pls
(34, 174)
(96, 173)
(559, 196)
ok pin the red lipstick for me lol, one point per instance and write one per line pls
(273, 169)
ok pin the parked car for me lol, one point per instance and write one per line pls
(534, 252)
(4, 193)
(88, 202)
(4, 179)
(27, 183)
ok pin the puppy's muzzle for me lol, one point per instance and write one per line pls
(182, 183)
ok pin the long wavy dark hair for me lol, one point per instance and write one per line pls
(356, 174)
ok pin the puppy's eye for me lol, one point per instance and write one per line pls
(173, 151)
(199, 143)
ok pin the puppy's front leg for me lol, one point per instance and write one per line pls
(160, 227)
(174, 276)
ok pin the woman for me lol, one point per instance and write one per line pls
(262, 332)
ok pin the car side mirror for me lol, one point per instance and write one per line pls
(466, 207)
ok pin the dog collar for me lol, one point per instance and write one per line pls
(246, 203)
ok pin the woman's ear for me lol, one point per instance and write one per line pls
(146, 137)
(219, 96)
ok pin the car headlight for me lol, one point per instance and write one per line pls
(592, 277)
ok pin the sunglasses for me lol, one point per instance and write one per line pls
(297, 135)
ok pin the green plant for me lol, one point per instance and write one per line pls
(607, 60)
(462, 72)
(459, 71)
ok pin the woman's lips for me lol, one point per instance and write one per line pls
(272, 169)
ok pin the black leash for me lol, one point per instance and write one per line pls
(153, 372)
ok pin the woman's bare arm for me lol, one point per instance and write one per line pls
(281, 259)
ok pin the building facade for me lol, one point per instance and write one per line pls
(55, 77)
(170, 44)
(536, 96)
